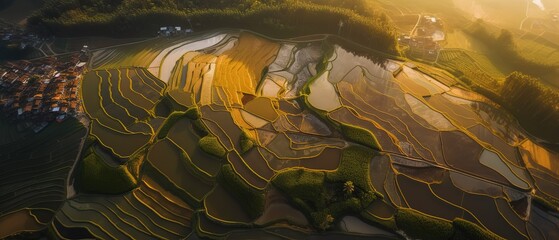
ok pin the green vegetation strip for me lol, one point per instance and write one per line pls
(168, 124)
(246, 142)
(211, 145)
(360, 135)
(95, 176)
(325, 197)
(467, 230)
(421, 226)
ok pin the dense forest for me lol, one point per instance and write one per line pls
(535, 106)
(276, 18)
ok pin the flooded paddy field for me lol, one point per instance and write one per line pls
(386, 137)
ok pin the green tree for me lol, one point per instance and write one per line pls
(349, 188)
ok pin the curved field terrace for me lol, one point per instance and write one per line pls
(234, 135)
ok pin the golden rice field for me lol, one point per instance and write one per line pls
(232, 135)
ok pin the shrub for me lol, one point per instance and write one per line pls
(302, 184)
(354, 166)
(315, 194)
(250, 199)
(360, 135)
(199, 127)
(346, 206)
(163, 108)
(211, 145)
(246, 142)
(505, 48)
(168, 124)
(95, 176)
(323, 219)
(192, 113)
(421, 226)
(171, 103)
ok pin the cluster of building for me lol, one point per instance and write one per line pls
(169, 31)
(424, 41)
(11, 35)
(34, 93)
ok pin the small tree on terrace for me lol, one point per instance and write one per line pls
(349, 188)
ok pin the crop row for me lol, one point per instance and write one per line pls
(142, 213)
(33, 174)
(133, 55)
(477, 69)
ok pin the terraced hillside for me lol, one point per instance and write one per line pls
(34, 171)
(233, 135)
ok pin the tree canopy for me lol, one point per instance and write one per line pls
(535, 105)
(276, 18)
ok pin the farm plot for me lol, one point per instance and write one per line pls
(451, 189)
(239, 69)
(185, 137)
(163, 64)
(538, 49)
(143, 213)
(19, 221)
(90, 94)
(251, 115)
(112, 108)
(140, 54)
(168, 160)
(232, 212)
(473, 66)
(136, 96)
(9, 133)
(40, 183)
(114, 140)
(133, 110)
(119, 98)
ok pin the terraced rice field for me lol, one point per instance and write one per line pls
(208, 127)
(33, 172)
(474, 66)
(539, 48)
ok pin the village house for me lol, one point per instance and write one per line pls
(33, 93)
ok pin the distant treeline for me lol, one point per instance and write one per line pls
(534, 105)
(274, 18)
(504, 46)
